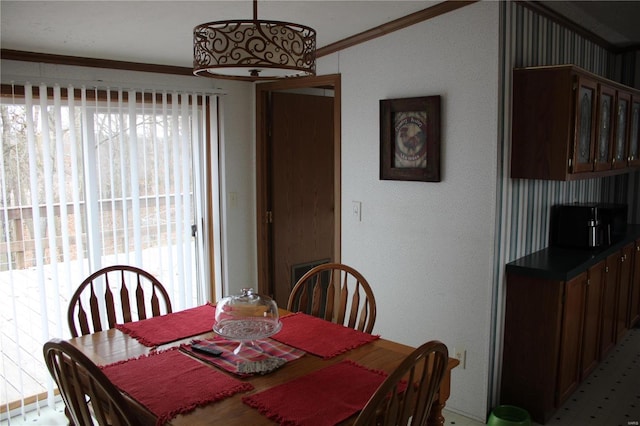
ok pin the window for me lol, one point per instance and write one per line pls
(91, 178)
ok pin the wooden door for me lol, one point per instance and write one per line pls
(621, 130)
(604, 133)
(592, 316)
(635, 289)
(634, 133)
(583, 150)
(609, 301)
(622, 321)
(570, 337)
(302, 187)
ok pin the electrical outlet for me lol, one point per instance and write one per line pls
(461, 355)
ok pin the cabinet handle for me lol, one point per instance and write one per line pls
(637, 248)
(606, 269)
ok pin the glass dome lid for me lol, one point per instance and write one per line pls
(246, 316)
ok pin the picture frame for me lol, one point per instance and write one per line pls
(410, 139)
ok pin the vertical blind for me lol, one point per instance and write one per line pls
(91, 178)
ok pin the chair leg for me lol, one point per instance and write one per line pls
(67, 414)
(435, 415)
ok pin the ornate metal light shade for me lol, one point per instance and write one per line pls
(253, 49)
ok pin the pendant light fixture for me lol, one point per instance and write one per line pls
(254, 49)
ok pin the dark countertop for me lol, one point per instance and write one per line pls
(562, 264)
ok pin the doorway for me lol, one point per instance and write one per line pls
(298, 179)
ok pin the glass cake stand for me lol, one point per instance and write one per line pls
(246, 317)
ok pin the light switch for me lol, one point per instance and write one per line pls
(356, 210)
(233, 200)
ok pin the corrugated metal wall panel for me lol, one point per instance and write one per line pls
(535, 41)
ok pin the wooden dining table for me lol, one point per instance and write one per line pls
(110, 346)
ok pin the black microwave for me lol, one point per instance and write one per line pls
(587, 225)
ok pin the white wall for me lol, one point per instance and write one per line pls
(238, 163)
(427, 248)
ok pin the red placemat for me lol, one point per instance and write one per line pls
(171, 327)
(320, 337)
(322, 398)
(169, 383)
(261, 351)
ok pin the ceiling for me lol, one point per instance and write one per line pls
(617, 22)
(160, 32)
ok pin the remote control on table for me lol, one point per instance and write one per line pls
(206, 349)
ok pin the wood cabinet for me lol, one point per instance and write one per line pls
(580, 330)
(604, 127)
(565, 310)
(609, 303)
(570, 124)
(634, 132)
(551, 339)
(573, 301)
(585, 123)
(634, 309)
(624, 287)
(590, 351)
(530, 356)
(621, 130)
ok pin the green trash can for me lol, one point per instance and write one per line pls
(509, 415)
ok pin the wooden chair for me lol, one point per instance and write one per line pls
(408, 393)
(329, 290)
(92, 307)
(87, 393)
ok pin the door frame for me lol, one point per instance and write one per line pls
(263, 90)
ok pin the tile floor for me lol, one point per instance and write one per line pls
(610, 396)
(55, 417)
(46, 416)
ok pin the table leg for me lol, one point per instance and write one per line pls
(67, 414)
(435, 414)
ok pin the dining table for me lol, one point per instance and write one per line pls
(244, 399)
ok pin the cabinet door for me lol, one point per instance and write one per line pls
(592, 316)
(583, 148)
(634, 132)
(624, 285)
(604, 129)
(609, 301)
(635, 287)
(570, 338)
(621, 130)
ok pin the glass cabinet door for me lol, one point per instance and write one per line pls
(634, 134)
(621, 130)
(604, 132)
(585, 125)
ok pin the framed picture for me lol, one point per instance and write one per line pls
(410, 139)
